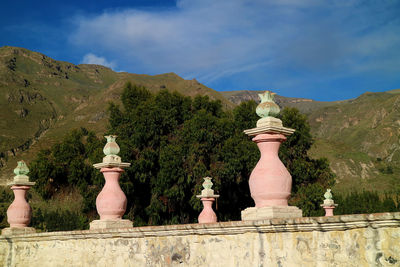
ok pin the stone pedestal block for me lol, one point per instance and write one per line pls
(110, 224)
(17, 231)
(272, 212)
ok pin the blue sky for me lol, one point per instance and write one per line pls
(324, 50)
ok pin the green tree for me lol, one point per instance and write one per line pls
(173, 142)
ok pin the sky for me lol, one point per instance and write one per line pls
(324, 50)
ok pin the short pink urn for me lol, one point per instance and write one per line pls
(270, 182)
(207, 197)
(19, 213)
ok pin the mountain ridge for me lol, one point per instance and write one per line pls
(42, 98)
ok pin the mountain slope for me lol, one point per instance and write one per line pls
(361, 139)
(42, 98)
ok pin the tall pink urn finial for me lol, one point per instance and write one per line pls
(111, 201)
(19, 213)
(270, 182)
(329, 205)
(207, 197)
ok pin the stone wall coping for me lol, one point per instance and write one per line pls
(303, 224)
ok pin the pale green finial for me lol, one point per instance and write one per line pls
(328, 201)
(111, 148)
(267, 107)
(21, 177)
(328, 194)
(207, 191)
(207, 184)
(21, 168)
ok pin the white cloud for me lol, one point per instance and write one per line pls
(216, 39)
(91, 58)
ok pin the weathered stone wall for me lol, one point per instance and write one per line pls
(351, 240)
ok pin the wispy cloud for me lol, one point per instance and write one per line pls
(216, 39)
(93, 59)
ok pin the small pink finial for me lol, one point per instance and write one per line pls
(329, 205)
(207, 197)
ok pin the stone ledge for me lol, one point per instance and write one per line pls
(304, 224)
(11, 231)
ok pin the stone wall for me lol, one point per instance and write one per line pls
(350, 240)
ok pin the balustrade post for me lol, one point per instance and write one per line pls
(111, 201)
(329, 205)
(207, 197)
(270, 183)
(19, 213)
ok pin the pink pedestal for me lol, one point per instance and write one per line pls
(329, 211)
(111, 201)
(207, 215)
(19, 213)
(270, 182)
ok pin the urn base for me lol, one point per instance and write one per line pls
(110, 224)
(271, 212)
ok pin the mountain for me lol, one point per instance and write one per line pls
(42, 98)
(361, 139)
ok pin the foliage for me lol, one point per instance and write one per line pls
(69, 164)
(6, 197)
(173, 141)
(366, 202)
(309, 198)
(58, 220)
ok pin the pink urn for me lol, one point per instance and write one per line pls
(270, 182)
(207, 215)
(19, 213)
(111, 201)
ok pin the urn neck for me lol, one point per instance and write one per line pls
(269, 144)
(111, 175)
(207, 202)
